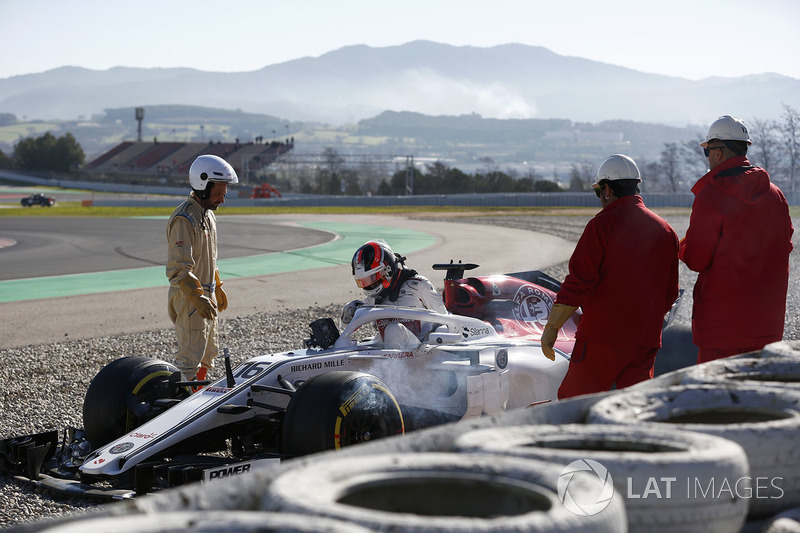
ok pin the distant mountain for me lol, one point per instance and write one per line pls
(358, 82)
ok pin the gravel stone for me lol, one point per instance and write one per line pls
(44, 385)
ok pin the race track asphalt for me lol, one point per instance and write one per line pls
(321, 276)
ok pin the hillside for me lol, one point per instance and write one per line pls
(358, 82)
(464, 140)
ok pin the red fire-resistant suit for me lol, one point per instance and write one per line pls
(624, 275)
(739, 240)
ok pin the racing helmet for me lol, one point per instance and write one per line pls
(617, 167)
(208, 168)
(727, 128)
(374, 267)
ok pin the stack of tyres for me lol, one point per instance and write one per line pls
(764, 421)
(237, 521)
(442, 493)
(748, 371)
(649, 466)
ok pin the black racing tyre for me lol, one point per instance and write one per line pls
(764, 421)
(638, 460)
(120, 396)
(339, 409)
(446, 493)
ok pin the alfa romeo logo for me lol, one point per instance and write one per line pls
(533, 308)
(604, 483)
(121, 448)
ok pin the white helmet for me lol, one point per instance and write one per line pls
(617, 167)
(208, 168)
(727, 128)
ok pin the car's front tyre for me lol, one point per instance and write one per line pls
(121, 396)
(339, 409)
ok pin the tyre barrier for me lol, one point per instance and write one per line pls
(197, 522)
(747, 371)
(780, 349)
(764, 421)
(785, 522)
(447, 492)
(653, 468)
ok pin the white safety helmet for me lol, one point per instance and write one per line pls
(207, 168)
(727, 128)
(617, 167)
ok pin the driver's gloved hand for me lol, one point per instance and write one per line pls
(349, 310)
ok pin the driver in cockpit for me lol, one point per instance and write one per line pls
(382, 275)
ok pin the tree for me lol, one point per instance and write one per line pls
(790, 133)
(671, 166)
(652, 176)
(692, 159)
(49, 153)
(581, 176)
(384, 189)
(5, 161)
(765, 137)
(546, 186)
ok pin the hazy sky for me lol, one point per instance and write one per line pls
(690, 39)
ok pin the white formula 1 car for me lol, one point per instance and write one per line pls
(144, 429)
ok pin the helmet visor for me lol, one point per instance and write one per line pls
(370, 279)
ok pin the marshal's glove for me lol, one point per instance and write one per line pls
(349, 310)
(221, 296)
(559, 314)
(191, 287)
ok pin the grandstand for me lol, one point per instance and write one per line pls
(168, 163)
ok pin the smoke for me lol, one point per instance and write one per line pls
(425, 91)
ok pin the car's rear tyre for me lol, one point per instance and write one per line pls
(120, 397)
(339, 409)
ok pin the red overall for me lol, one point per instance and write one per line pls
(739, 240)
(624, 275)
